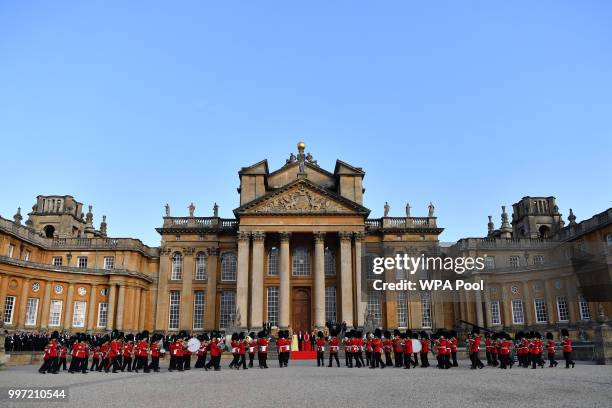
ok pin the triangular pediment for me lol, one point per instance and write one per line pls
(301, 197)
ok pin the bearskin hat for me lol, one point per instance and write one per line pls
(377, 333)
(387, 334)
(549, 335)
(358, 334)
(241, 336)
(424, 334)
(333, 332)
(413, 334)
(519, 335)
(320, 334)
(396, 332)
(252, 334)
(234, 336)
(129, 337)
(204, 337)
(55, 335)
(565, 332)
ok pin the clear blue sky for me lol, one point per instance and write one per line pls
(468, 104)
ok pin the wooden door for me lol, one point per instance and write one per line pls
(301, 310)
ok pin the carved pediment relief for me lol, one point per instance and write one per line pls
(299, 199)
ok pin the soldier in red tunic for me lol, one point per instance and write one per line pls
(95, 358)
(262, 349)
(202, 351)
(358, 348)
(388, 348)
(398, 350)
(425, 343)
(488, 348)
(283, 345)
(63, 353)
(474, 347)
(141, 353)
(368, 348)
(114, 355)
(104, 350)
(320, 345)
(235, 354)
(127, 352)
(241, 352)
(453, 348)
(567, 348)
(407, 350)
(537, 350)
(377, 349)
(50, 359)
(348, 350)
(251, 346)
(334, 347)
(551, 350)
(186, 360)
(155, 352)
(505, 349)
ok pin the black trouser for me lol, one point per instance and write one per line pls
(444, 361)
(476, 363)
(388, 360)
(505, 360)
(50, 365)
(62, 363)
(424, 360)
(567, 355)
(398, 358)
(141, 363)
(154, 364)
(335, 356)
(494, 358)
(263, 360)
(134, 362)
(416, 358)
(72, 366)
(95, 364)
(537, 359)
(235, 360)
(187, 362)
(216, 362)
(454, 359)
(551, 359)
(242, 361)
(407, 358)
(320, 359)
(176, 363)
(116, 363)
(103, 364)
(489, 359)
(127, 363)
(201, 361)
(359, 359)
(251, 357)
(349, 358)
(368, 358)
(377, 361)
(284, 358)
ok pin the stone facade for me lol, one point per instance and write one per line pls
(297, 254)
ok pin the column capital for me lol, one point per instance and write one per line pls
(319, 236)
(284, 236)
(345, 235)
(243, 235)
(259, 236)
(359, 236)
(212, 251)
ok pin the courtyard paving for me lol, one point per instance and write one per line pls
(302, 383)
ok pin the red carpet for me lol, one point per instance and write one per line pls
(303, 355)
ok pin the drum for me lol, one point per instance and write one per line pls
(193, 345)
(416, 346)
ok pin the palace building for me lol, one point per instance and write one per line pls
(298, 254)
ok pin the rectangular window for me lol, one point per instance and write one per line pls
(426, 310)
(330, 304)
(374, 310)
(78, 315)
(55, 313)
(272, 305)
(200, 267)
(515, 262)
(540, 311)
(198, 309)
(562, 310)
(400, 309)
(109, 262)
(26, 256)
(273, 262)
(57, 261)
(31, 312)
(175, 310)
(82, 262)
(490, 262)
(585, 312)
(11, 249)
(102, 314)
(518, 316)
(9, 309)
(538, 260)
(227, 308)
(495, 314)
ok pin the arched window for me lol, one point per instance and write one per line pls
(273, 261)
(228, 267)
(609, 239)
(49, 231)
(301, 262)
(177, 266)
(330, 262)
(200, 273)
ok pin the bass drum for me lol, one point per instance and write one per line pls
(193, 345)
(416, 346)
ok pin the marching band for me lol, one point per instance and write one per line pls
(133, 353)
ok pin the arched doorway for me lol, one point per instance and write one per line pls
(300, 310)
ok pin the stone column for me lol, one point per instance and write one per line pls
(487, 298)
(69, 307)
(186, 316)
(112, 298)
(143, 309)
(257, 281)
(285, 287)
(211, 288)
(161, 306)
(23, 302)
(528, 307)
(361, 305)
(478, 305)
(242, 280)
(120, 306)
(346, 278)
(319, 279)
(551, 302)
(136, 309)
(92, 308)
(44, 320)
(3, 289)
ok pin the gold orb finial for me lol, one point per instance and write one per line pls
(301, 146)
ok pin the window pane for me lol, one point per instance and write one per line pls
(517, 312)
(177, 266)
(227, 308)
(495, 315)
(272, 305)
(9, 309)
(175, 310)
(426, 310)
(273, 262)
(540, 311)
(228, 267)
(78, 315)
(301, 262)
(330, 262)
(330, 304)
(31, 311)
(200, 267)
(374, 310)
(55, 313)
(102, 314)
(400, 310)
(198, 309)
(585, 312)
(562, 308)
